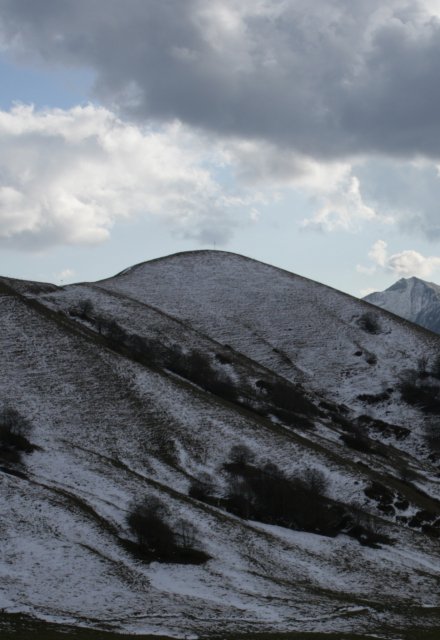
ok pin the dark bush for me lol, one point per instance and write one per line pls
(367, 532)
(432, 435)
(358, 441)
(143, 349)
(197, 368)
(369, 322)
(386, 429)
(383, 496)
(186, 534)
(240, 498)
(271, 470)
(371, 359)
(116, 334)
(241, 455)
(374, 398)
(100, 323)
(266, 494)
(14, 433)
(223, 359)
(202, 488)
(85, 308)
(316, 481)
(157, 540)
(290, 399)
(263, 386)
(424, 395)
(422, 367)
(422, 518)
(299, 502)
(147, 522)
(435, 369)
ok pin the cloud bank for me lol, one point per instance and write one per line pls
(67, 176)
(404, 264)
(337, 98)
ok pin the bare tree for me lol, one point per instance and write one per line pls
(85, 308)
(241, 455)
(147, 521)
(186, 534)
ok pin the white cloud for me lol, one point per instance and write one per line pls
(412, 263)
(342, 206)
(66, 176)
(331, 186)
(404, 264)
(378, 253)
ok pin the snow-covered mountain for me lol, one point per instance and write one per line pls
(413, 299)
(286, 430)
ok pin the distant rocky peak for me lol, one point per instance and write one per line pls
(413, 299)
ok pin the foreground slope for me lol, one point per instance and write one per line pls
(413, 299)
(112, 427)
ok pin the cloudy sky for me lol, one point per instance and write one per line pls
(304, 134)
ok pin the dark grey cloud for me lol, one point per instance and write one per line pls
(328, 79)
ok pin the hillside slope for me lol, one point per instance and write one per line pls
(298, 328)
(108, 376)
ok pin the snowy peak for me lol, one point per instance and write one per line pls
(413, 299)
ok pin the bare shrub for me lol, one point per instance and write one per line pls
(202, 488)
(358, 441)
(369, 322)
(266, 494)
(186, 534)
(422, 366)
(116, 334)
(367, 531)
(241, 455)
(435, 369)
(156, 539)
(147, 521)
(316, 481)
(422, 394)
(432, 435)
(15, 430)
(85, 308)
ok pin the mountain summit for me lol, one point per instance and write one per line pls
(205, 442)
(413, 299)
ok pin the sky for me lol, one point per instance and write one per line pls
(303, 134)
